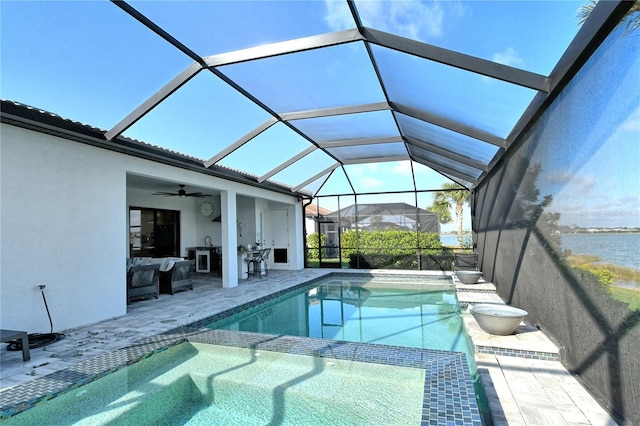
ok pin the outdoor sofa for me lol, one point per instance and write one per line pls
(178, 276)
(142, 281)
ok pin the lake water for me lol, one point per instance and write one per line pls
(619, 249)
(449, 240)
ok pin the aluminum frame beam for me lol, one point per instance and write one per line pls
(377, 160)
(454, 126)
(458, 60)
(315, 177)
(604, 17)
(287, 163)
(237, 144)
(359, 142)
(446, 153)
(329, 112)
(162, 94)
(127, 8)
(283, 48)
(443, 169)
(581, 48)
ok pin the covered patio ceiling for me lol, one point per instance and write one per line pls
(302, 93)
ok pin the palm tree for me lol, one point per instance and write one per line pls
(452, 196)
(633, 15)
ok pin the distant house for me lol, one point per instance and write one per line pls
(316, 222)
(384, 216)
(312, 216)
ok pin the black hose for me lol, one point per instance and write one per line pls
(46, 306)
(37, 340)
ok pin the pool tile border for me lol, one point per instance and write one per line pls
(475, 290)
(517, 353)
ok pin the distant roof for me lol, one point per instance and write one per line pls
(389, 216)
(364, 210)
(314, 210)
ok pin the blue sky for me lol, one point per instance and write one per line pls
(91, 62)
(594, 173)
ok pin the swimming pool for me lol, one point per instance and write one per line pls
(400, 311)
(447, 386)
(417, 311)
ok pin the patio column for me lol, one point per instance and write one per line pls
(229, 239)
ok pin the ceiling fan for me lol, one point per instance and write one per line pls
(182, 193)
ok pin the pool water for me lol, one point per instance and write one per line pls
(201, 384)
(416, 312)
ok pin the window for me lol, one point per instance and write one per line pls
(153, 232)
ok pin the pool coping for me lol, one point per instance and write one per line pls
(449, 395)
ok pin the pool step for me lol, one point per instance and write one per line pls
(179, 401)
(273, 401)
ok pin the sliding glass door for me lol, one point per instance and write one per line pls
(154, 232)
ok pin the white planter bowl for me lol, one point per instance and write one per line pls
(497, 319)
(468, 277)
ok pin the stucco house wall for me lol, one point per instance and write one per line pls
(64, 224)
(63, 219)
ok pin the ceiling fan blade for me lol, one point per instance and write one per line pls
(182, 193)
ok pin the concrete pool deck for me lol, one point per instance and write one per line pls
(522, 389)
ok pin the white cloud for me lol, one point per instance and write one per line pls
(415, 19)
(510, 57)
(412, 19)
(402, 168)
(600, 211)
(338, 16)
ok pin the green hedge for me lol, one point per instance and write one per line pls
(393, 249)
(391, 242)
(389, 249)
(313, 251)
